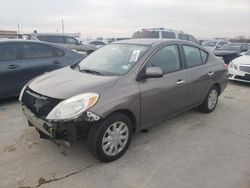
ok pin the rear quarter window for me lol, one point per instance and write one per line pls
(59, 53)
(204, 56)
(192, 39)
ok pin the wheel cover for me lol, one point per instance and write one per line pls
(212, 99)
(115, 138)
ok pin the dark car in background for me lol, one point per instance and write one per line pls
(122, 88)
(231, 51)
(214, 44)
(63, 40)
(163, 33)
(22, 60)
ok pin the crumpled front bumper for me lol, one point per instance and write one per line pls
(40, 124)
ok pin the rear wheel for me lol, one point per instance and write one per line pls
(211, 100)
(110, 139)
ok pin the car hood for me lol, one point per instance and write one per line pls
(225, 52)
(66, 82)
(243, 60)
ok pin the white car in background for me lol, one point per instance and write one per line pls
(239, 68)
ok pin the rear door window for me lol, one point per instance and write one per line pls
(146, 34)
(167, 58)
(193, 56)
(8, 52)
(183, 36)
(36, 51)
(168, 35)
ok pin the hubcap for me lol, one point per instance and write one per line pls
(212, 99)
(115, 138)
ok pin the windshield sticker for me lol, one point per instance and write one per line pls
(125, 67)
(134, 56)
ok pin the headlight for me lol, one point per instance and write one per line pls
(21, 93)
(73, 107)
(232, 65)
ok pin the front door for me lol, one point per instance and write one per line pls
(166, 96)
(10, 70)
(38, 59)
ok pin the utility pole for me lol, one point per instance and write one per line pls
(62, 26)
(18, 28)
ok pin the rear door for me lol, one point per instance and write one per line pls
(200, 74)
(38, 59)
(10, 69)
(162, 97)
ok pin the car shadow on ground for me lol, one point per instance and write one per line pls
(238, 83)
(7, 101)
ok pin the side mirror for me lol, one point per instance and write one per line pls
(153, 72)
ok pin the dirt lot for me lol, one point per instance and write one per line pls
(192, 150)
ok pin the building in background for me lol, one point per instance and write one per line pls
(9, 34)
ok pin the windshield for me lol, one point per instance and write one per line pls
(230, 47)
(209, 43)
(113, 59)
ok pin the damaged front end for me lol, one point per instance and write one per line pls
(37, 108)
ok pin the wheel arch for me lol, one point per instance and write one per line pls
(130, 115)
(218, 86)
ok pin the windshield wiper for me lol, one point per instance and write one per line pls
(91, 71)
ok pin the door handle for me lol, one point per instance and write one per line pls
(210, 74)
(180, 82)
(56, 62)
(12, 66)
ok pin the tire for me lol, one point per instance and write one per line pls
(209, 104)
(108, 147)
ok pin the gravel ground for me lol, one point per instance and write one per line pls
(192, 150)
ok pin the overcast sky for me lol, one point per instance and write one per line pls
(120, 18)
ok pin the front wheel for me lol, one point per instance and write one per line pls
(211, 100)
(110, 139)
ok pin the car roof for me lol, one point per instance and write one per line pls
(24, 41)
(32, 41)
(151, 42)
(50, 34)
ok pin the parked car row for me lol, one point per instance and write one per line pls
(22, 60)
(214, 44)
